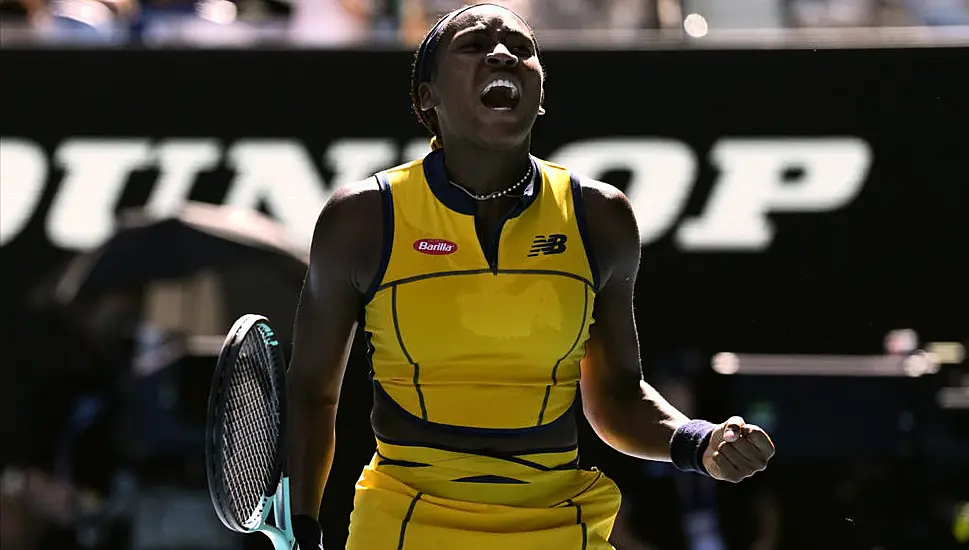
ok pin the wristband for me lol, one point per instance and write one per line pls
(688, 443)
(307, 531)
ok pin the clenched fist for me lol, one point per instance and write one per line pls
(737, 450)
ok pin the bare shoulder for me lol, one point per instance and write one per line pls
(612, 228)
(601, 190)
(352, 199)
(349, 232)
(351, 212)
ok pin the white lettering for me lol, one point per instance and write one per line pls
(436, 247)
(179, 163)
(416, 149)
(832, 171)
(23, 177)
(281, 174)
(662, 175)
(353, 160)
(96, 171)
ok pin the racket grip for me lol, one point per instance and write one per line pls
(308, 533)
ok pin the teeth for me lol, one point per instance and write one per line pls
(503, 82)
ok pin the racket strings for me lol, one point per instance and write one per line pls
(251, 429)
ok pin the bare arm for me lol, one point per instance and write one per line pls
(344, 256)
(626, 412)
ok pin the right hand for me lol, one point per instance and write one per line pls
(737, 451)
(307, 532)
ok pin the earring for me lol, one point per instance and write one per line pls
(541, 110)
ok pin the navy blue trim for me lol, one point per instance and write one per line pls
(450, 196)
(391, 423)
(403, 524)
(400, 338)
(585, 528)
(548, 388)
(578, 521)
(394, 462)
(582, 492)
(435, 172)
(480, 432)
(368, 337)
(420, 392)
(489, 478)
(416, 278)
(578, 206)
(571, 465)
(688, 443)
(403, 348)
(437, 179)
(547, 272)
(387, 200)
(401, 463)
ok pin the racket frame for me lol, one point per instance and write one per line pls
(280, 534)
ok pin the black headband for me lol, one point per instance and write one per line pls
(425, 54)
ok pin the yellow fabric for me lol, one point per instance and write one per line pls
(467, 345)
(390, 514)
(538, 487)
(479, 338)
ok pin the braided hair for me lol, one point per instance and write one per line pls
(422, 69)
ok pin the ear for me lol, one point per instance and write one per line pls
(541, 110)
(428, 99)
(541, 103)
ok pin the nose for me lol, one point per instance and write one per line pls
(501, 57)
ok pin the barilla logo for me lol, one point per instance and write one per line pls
(435, 247)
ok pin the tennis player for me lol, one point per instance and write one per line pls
(492, 286)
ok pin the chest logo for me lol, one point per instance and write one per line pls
(435, 247)
(544, 245)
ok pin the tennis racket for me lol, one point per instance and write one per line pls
(245, 433)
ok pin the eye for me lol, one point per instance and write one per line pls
(522, 50)
(519, 45)
(472, 45)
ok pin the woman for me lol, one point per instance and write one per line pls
(493, 285)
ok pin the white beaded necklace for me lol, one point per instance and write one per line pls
(496, 194)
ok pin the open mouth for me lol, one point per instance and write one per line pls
(501, 94)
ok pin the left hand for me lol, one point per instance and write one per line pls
(737, 450)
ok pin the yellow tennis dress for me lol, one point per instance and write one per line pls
(475, 363)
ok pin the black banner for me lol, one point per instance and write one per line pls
(787, 199)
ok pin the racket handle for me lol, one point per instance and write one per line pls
(282, 509)
(309, 534)
(282, 535)
(278, 539)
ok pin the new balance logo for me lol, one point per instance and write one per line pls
(547, 244)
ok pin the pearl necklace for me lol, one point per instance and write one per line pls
(496, 194)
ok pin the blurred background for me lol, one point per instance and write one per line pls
(798, 169)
